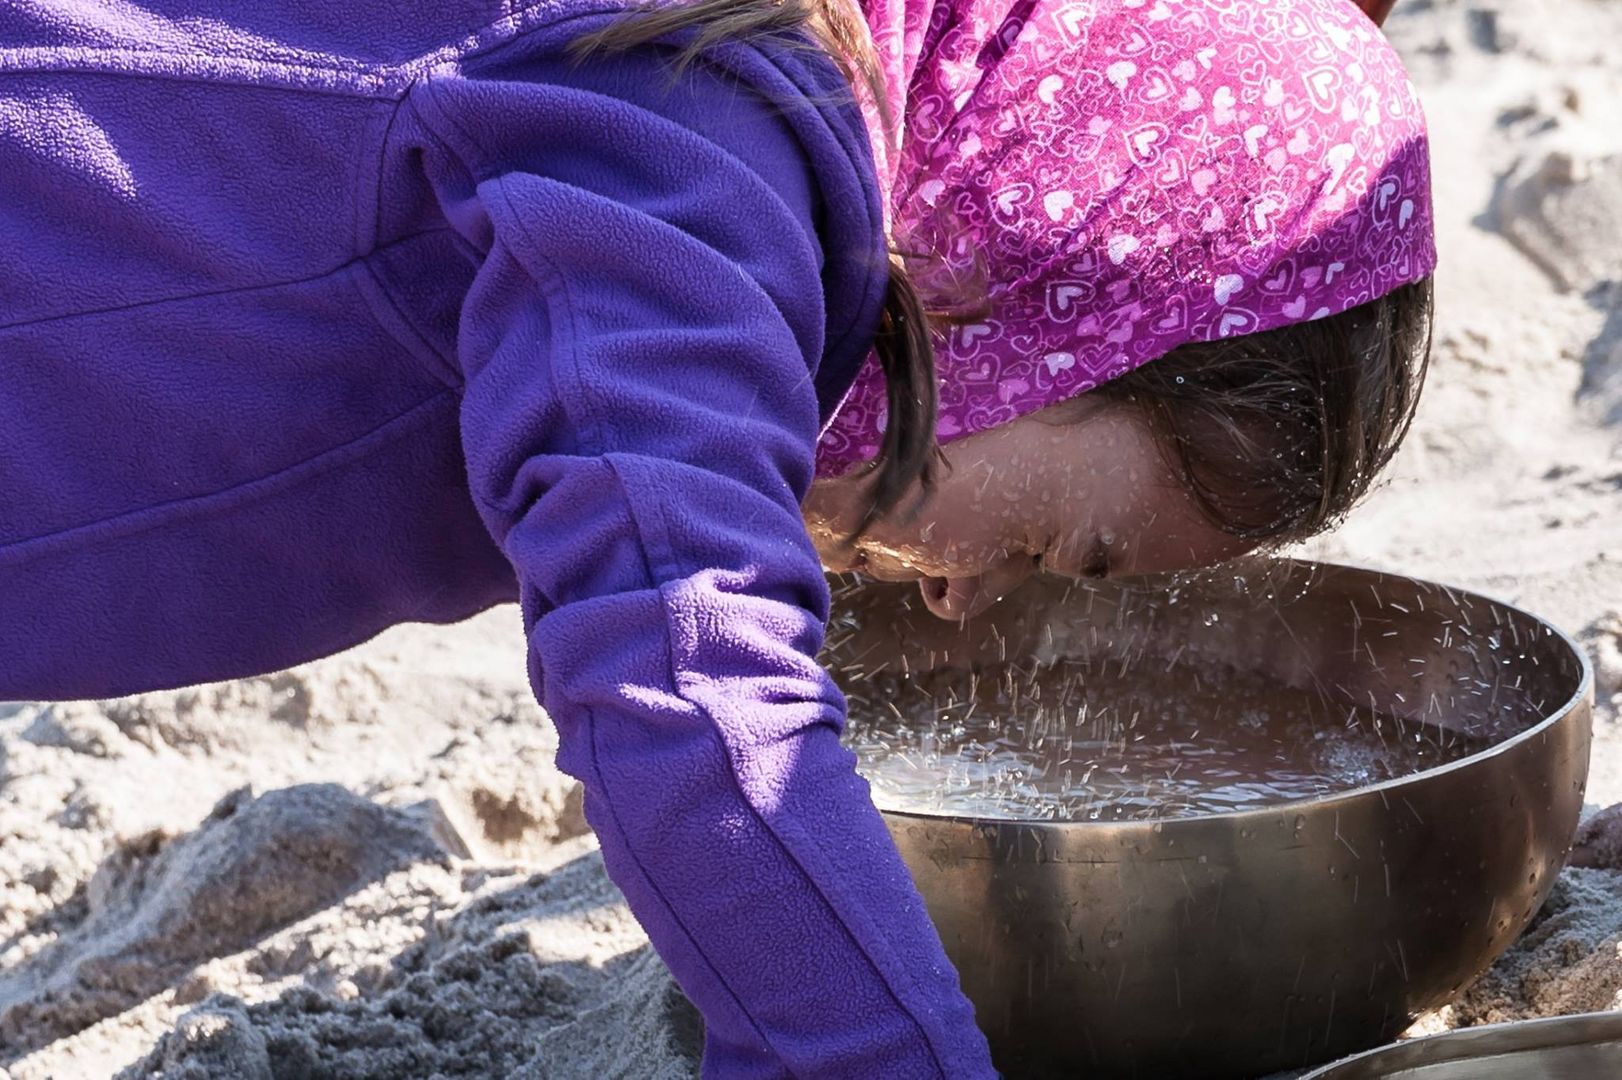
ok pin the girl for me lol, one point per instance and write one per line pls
(319, 319)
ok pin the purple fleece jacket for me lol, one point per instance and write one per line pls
(317, 317)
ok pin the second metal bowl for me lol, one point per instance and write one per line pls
(1583, 1047)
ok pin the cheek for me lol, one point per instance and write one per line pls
(966, 525)
(1009, 494)
(944, 539)
(1170, 533)
(1121, 491)
(981, 513)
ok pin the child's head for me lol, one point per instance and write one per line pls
(1212, 451)
(1200, 238)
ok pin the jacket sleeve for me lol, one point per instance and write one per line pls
(639, 423)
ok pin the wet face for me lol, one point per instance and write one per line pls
(1078, 489)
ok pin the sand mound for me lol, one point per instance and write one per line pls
(157, 907)
(1598, 845)
(1564, 211)
(310, 932)
(504, 797)
(1603, 637)
(1568, 961)
(490, 990)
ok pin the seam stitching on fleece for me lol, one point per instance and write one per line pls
(139, 520)
(554, 294)
(608, 802)
(220, 71)
(259, 286)
(403, 331)
(469, 143)
(370, 197)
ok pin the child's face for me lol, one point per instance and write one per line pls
(1079, 488)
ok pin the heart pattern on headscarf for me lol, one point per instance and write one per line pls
(1134, 175)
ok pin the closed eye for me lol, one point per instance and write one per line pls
(1096, 564)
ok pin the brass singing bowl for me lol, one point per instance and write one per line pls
(1236, 944)
(1584, 1047)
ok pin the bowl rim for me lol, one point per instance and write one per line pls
(1584, 687)
(1541, 1030)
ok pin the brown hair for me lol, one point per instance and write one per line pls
(1276, 434)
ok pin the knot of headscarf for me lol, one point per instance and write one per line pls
(1131, 176)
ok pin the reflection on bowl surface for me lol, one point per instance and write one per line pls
(1351, 793)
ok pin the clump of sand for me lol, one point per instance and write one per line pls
(370, 867)
(367, 866)
(157, 908)
(1568, 961)
(491, 988)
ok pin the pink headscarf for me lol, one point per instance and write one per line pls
(1136, 175)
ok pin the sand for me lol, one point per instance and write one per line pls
(369, 867)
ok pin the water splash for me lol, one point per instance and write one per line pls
(1079, 740)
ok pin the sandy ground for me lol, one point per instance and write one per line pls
(369, 867)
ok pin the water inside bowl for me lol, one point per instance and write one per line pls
(1097, 740)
